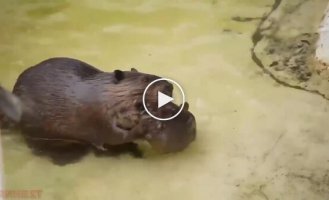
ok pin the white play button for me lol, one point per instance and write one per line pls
(163, 99)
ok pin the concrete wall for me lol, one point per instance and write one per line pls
(322, 51)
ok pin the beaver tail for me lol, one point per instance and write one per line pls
(10, 107)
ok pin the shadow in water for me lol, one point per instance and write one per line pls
(63, 153)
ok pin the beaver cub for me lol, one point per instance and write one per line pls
(65, 99)
(172, 135)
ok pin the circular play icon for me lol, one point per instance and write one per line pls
(163, 99)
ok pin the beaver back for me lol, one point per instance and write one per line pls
(65, 98)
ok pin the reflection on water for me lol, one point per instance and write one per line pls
(256, 139)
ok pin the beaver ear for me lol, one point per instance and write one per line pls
(118, 76)
(186, 106)
(133, 69)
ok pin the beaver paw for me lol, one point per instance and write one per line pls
(100, 147)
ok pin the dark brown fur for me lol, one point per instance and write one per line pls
(66, 99)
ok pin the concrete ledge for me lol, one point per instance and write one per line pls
(322, 49)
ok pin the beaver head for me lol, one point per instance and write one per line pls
(130, 86)
(139, 81)
(129, 89)
(173, 135)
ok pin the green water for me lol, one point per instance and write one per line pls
(256, 139)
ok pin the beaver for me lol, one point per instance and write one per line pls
(64, 98)
(170, 135)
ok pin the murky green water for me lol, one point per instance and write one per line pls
(256, 139)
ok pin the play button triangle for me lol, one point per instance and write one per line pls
(163, 99)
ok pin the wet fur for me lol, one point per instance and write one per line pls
(68, 105)
(68, 99)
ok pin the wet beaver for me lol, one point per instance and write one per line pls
(65, 99)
